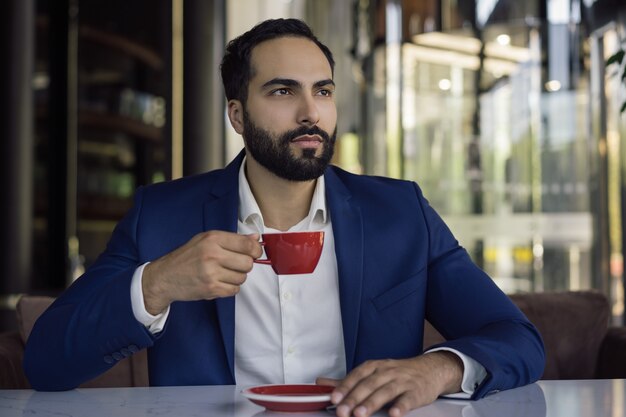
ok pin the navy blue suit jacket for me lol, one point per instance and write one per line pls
(398, 265)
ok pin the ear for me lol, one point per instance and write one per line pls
(235, 115)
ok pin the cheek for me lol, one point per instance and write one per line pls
(273, 119)
(329, 116)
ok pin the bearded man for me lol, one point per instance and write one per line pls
(178, 276)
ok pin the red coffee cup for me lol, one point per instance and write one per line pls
(292, 252)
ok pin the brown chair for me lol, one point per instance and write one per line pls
(130, 372)
(579, 342)
(574, 325)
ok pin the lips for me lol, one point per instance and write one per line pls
(308, 141)
(308, 138)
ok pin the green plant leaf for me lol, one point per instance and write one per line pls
(617, 57)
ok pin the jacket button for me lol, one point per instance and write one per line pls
(125, 352)
(117, 356)
(133, 348)
(109, 359)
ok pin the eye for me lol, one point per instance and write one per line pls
(325, 92)
(280, 92)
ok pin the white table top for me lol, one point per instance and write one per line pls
(585, 398)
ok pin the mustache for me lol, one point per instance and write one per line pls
(303, 130)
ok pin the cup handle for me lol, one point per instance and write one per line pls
(263, 261)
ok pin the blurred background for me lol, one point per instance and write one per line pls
(504, 111)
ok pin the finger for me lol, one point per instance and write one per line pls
(258, 249)
(221, 290)
(406, 402)
(220, 250)
(370, 395)
(244, 244)
(379, 397)
(228, 262)
(331, 382)
(254, 236)
(371, 379)
(352, 379)
(233, 242)
(232, 278)
(213, 273)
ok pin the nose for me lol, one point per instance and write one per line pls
(308, 113)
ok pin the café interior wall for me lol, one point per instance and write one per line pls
(520, 156)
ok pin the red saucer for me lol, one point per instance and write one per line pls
(290, 397)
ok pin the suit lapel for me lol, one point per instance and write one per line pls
(348, 234)
(220, 213)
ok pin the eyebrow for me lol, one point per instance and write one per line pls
(288, 82)
(322, 83)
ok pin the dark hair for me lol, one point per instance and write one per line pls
(235, 67)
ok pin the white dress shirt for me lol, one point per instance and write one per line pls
(288, 327)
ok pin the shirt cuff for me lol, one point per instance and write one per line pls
(154, 324)
(473, 374)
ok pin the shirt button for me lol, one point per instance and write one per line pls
(109, 359)
(291, 351)
(287, 295)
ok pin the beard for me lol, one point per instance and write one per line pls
(274, 153)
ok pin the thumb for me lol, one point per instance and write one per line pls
(254, 236)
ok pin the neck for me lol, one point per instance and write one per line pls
(283, 203)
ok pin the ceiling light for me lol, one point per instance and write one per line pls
(445, 84)
(553, 85)
(503, 39)
(471, 46)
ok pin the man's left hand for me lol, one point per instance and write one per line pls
(406, 384)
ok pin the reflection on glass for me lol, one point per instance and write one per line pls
(502, 152)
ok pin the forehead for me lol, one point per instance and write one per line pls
(289, 57)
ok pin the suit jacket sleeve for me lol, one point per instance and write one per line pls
(91, 326)
(475, 316)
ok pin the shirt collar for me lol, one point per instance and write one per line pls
(250, 213)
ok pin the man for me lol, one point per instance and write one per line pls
(178, 276)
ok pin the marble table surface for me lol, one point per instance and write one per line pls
(581, 398)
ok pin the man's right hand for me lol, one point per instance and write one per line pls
(211, 265)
